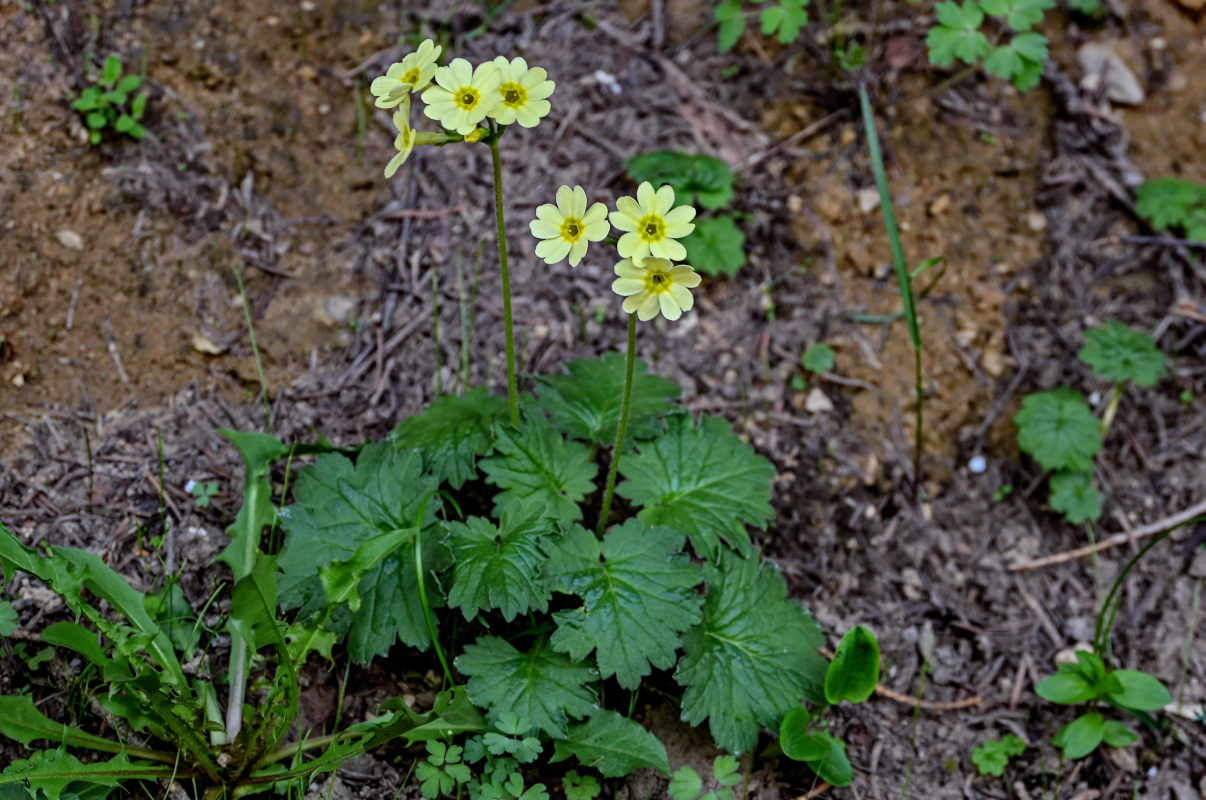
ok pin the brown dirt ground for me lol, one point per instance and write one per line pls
(260, 157)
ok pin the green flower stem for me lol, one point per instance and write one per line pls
(621, 428)
(512, 383)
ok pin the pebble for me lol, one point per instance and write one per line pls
(940, 206)
(868, 199)
(1096, 58)
(817, 402)
(978, 464)
(70, 239)
(1036, 221)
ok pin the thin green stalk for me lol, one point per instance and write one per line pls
(427, 615)
(255, 349)
(1101, 634)
(435, 314)
(512, 383)
(902, 275)
(621, 429)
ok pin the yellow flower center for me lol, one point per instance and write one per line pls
(572, 229)
(412, 76)
(467, 98)
(658, 281)
(652, 228)
(513, 94)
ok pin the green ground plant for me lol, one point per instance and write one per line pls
(1174, 204)
(480, 530)
(994, 755)
(1057, 428)
(113, 103)
(717, 245)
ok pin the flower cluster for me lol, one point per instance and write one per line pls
(460, 97)
(649, 280)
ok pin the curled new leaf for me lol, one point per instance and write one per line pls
(854, 671)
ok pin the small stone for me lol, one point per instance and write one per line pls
(817, 402)
(70, 239)
(1123, 759)
(795, 203)
(868, 199)
(1099, 58)
(1036, 221)
(203, 344)
(993, 363)
(338, 310)
(977, 464)
(940, 206)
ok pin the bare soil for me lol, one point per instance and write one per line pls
(120, 359)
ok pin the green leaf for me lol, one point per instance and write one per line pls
(1020, 61)
(1140, 691)
(1073, 495)
(993, 756)
(685, 784)
(1080, 736)
(8, 619)
(258, 450)
(1021, 15)
(707, 178)
(716, 246)
(53, 771)
(638, 597)
(535, 462)
(1117, 734)
(1174, 203)
(1067, 686)
(731, 24)
(854, 671)
(834, 767)
(753, 657)
(702, 481)
(1089, 8)
(1058, 430)
(453, 433)
(340, 506)
(124, 123)
(96, 120)
(612, 744)
(499, 566)
(1120, 353)
(785, 17)
(725, 770)
(137, 131)
(818, 358)
(88, 100)
(21, 720)
(129, 84)
(957, 35)
(586, 403)
(111, 71)
(798, 742)
(116, 98)
(76, 637)
(541, 685)
(581, 787)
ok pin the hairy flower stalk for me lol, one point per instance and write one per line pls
(512, 382)
(621, 429)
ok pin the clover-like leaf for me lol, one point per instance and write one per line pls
(1021, 15)
(498, 566)
(638, 597)
(1019, 61)
(716, 246)
(752, 658)
(818, 358)
(339, 506)
(1058, 430)
(700, 480)
(1118, 352)
(581, 787)
(1074, 496)
(586, 402)
(453, 433)
(545, 687)
(535, 462)
(785, 17)
(612, 744)
(993, 755)
(730, 19)
(1174, 203)
(8, 619)
(957, 34)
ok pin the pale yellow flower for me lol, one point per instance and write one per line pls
(406, 140)
(412, 74)
(462, 96)
(652, 224)
(568, 227)
(522, 94)
(656, 285)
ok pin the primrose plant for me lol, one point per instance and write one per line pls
(478, 531)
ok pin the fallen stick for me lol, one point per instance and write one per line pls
(1113, 541)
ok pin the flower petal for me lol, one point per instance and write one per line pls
(577, 251)
(631, 304)
(682, 296)
(626, 269)
(544, 249)
(578, 202)
(462, 73)
(684, 275)
(648, 309)
(679, 216)
(670, 309)
(543, 229)
(565, 201)
(668, 248)
(550, 214)
(646, 199)
(664, 200)
(628, 207)
(629, 244)
(627, 286)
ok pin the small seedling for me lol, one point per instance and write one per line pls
(111, 103)
(818, 358)
(958, 35)
(783, 18)
(580, 787)
(203, 492)
(8, 618)
(1174, 204)
(1088, 681)
(992, 757)
(687, 785)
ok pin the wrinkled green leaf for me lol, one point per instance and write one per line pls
(785, 18)
(993, 756)
(638, 597)
(854, 671)
(535, 463)
(53, 771)
(541, 685)
(453, 433)
(498, 566)
(716, 246)
(685, 784)
(1174, 203)
(586, 403)
(1119, 353)
(753, 657)
(581, 787)
(1058, 430)
(612, 744)
(818, 358)
(700, 480)
(1073, 495)
(706, 178)
(1021, 15)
